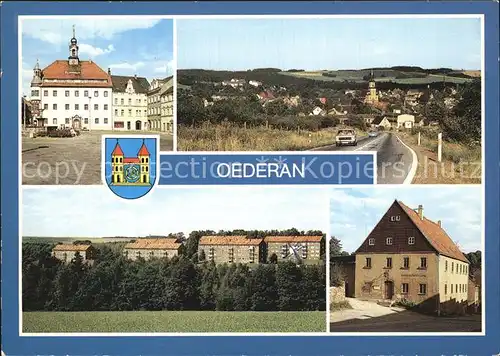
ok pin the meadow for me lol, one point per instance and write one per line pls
(173, 321)
(234, 138)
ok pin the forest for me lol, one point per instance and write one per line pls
(113, 283)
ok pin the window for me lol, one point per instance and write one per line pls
(452, 267)
(45, 93)
(46, 106)
(85, 93)
(54, 106)
(368, 262)
(66, 106)
(129, 101)
(86, 121)
(129, 112)
(445, 266)
(371, 241)
(411, 240)
(388, 241)
(422, 289)
(404, 288)
(116, 101)
(445, 289)
(85, 106)
(96, 120)
(105, 94)
(116, 112)
(122, 101)
(66, 93)
(388, 262)
(423, 262)
(54, 121)
(395, 218)
(35, 92)
(96, 93)
(406, 262)
(105, 106)
(105, 120)
(67, 121)
(77, 93)
(122, 112)
(54, 93)
(77, 106)
(96, 106)
(451, 286)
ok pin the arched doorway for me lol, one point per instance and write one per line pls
(138, 125)
(76, 122)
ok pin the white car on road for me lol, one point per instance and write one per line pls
(346, 137)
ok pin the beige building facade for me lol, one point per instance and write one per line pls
(67, 252)
(231, 249)
(130, 103)
(152, 248)
(167, 107)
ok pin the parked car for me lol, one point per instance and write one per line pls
(346, 137)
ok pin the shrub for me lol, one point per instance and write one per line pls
(404, 303)
(60, 133)
(340, 306)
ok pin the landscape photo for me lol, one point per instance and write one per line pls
(403, 87)
(187, 261)
(406, 260)
(81, 78)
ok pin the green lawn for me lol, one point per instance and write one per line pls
(174, 321)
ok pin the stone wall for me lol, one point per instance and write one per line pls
(337, 294)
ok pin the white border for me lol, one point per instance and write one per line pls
(198, 17)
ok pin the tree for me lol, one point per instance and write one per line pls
(273, 258)
(264, 294)
(181, 290)
(288, 282)
(336, 248)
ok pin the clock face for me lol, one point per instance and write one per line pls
(132, 173)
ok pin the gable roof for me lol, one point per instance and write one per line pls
(86, 70)
(290, 239)
(70, 247)
(140, 84)
(154, 244)
(435, 235)
(229, 240)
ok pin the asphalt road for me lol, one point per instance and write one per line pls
(395, 162)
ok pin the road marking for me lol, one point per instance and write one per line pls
(372, 142)
(414, 165)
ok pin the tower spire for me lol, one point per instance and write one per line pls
(74, 35)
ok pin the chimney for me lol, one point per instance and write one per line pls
(420, 212)
(439, 223)
(109, 71)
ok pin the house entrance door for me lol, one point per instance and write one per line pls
(389, 289)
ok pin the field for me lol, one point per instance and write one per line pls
(76, 160)
(69, 240)
(173, 321)
(233, 138)
(384, 75)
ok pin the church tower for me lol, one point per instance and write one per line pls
(73, 50)
(144, 163)
(36, 95)
(372, 90)
(117, 164)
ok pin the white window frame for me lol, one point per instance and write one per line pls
(411, 240)
(388, 241)
(371, 241)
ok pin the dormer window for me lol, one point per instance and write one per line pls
(395, 218)
(411, 240)
(388, 241)
(371, 242)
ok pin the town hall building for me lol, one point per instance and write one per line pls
(72, 93)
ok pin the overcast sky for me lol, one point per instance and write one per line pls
(96, 211)
(130, 45)
(335, 43)
(355, 212)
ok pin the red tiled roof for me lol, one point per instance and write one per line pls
(293, 238)
(143, 151)
(70, 247)
(117, 151)
(154, 244)
(87, 70)
(131, 160)
(229, 240)
(435, 234)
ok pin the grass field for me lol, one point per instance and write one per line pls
(173, 321)
(233, 138)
